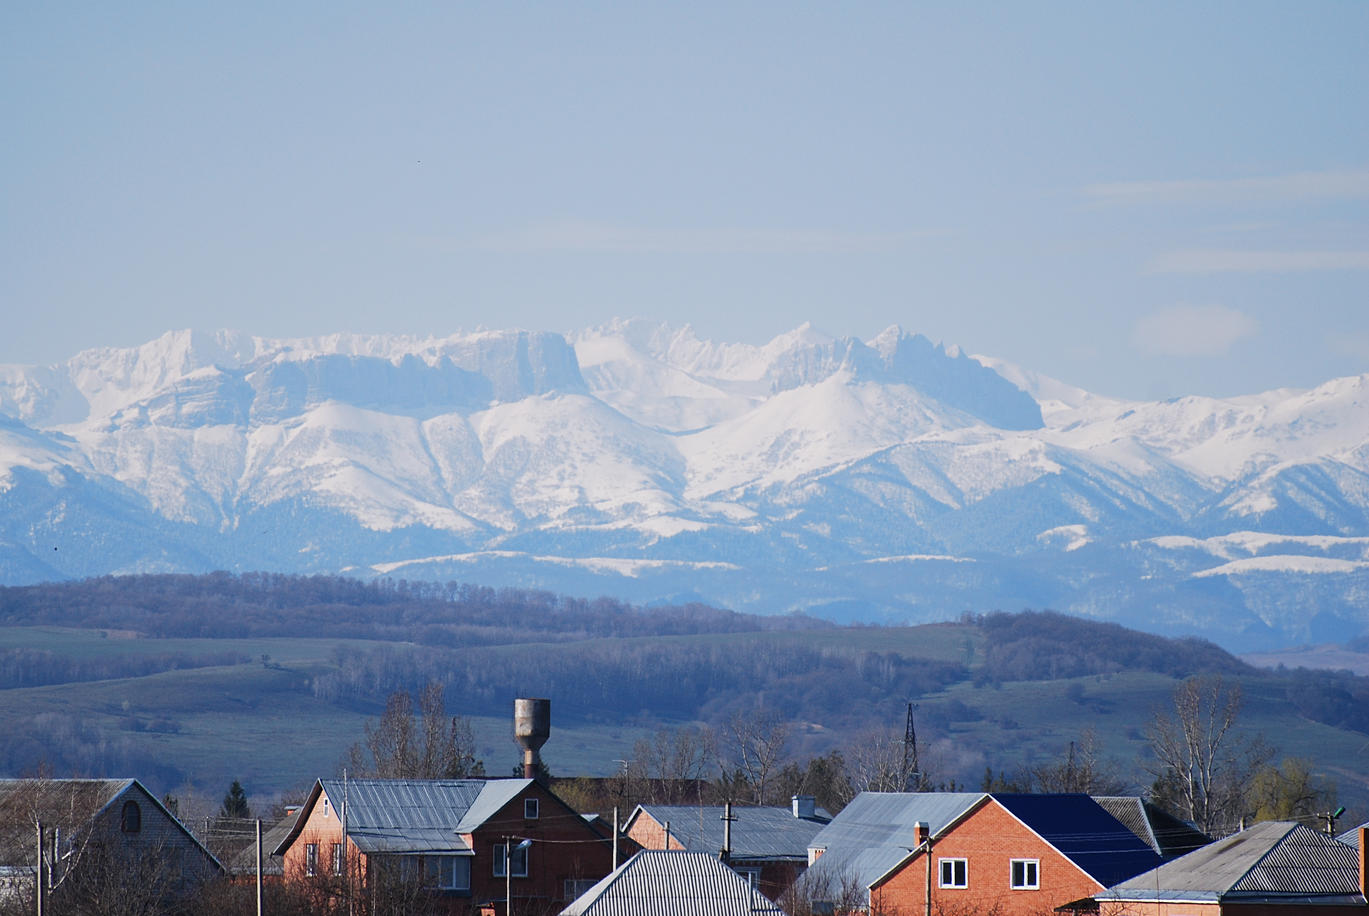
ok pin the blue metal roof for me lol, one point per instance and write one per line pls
(657, 882)
(1083, 832)
(757, 832)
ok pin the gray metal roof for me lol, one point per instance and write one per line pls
(1275, 859)
(419, 815)
(657, 882)
(1157, 828)
(876, 831)
(757, 833)
(1351, 836)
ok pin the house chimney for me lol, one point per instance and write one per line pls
(531, 728)
(804, 805)
(921, 831)
(1364, 861)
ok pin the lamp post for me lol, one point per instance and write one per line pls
(508, 871)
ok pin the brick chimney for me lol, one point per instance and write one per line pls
(1364, 862)
(921, 831)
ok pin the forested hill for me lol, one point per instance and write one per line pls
(172, 674)
(224, 606)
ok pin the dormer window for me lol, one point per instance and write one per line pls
(131, 817)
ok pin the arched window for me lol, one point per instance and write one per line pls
(132, 819)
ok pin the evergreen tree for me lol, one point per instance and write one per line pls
(235, 803)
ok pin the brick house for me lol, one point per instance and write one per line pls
(1275, 868)
(448, 840)
(952, 853)
(767, 845)
(101, 837)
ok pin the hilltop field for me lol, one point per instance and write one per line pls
(190, 682)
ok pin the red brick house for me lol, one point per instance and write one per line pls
(935, 854)
(445, 840)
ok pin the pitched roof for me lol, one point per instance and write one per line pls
(245, 861)
(412, 815)
(1274, 860)
(672, 883)
(1156, 827)
(1079, 828)
(757, 832)
(876, 831)
(1351, 836)
(70, 805)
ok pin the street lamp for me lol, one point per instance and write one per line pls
(508, 872)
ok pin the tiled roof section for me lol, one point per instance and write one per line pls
(1270, 860)
(672, 883)
(1084, 833)
(1156, 827)
(68, 804)
(877, 829)
(418, 815)
(757, 833)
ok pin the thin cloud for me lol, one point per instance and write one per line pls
(1216, 260)
(1299, 187)
(577, 236)
(1191, 330)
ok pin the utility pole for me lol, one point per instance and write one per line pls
(260, 909)
(1330, 817)
(727, 820)
(615, 838)
(38, 874)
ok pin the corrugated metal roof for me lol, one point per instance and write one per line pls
(1157, 828)
(1351, 836)
(419, 815)
(657, 882)
(757, 833)
(1084, 833)
(1269, 860)
(876, 831)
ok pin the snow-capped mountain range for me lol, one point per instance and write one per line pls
(889, 479)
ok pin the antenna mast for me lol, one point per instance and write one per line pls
(912, 772)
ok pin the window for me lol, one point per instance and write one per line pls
(518, 863)
(325, 806)
(954, 872)
(1025, 876)
(448, 873)
(530, 808)
(337, 858)
(310, 859)
(574, 887)
(751, 873)
(131, 817)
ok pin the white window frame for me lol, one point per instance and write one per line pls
(519, 856)
(943, 864)
(339, 856)
(310, 860)
(531, 809)
(1028, 865)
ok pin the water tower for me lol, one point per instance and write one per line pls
(531, 728)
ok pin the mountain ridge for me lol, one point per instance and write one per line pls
(635, 459)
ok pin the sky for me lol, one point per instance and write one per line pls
(1145, 200)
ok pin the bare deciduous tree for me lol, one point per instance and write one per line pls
(756, 743)
(427, 746)
(1083, 769)
(1203, 765)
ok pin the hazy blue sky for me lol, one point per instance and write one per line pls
(1145, 199)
